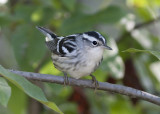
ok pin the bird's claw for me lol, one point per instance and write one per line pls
(95, 82)
(66, 80)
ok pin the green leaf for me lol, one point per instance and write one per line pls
(5, 92)
(30, 89)
(82, 22)
(18, 97)
(154, 53)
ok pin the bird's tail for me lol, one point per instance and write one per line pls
(48, 33)
(51, 40)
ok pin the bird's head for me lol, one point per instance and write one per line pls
(94, 39)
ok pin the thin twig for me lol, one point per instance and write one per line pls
(137, 26)
(128, 91)
(144, 24)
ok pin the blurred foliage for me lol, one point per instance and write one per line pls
(129, 25)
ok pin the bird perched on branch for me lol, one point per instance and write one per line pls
(78, 54)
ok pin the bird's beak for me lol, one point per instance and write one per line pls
(107, 47)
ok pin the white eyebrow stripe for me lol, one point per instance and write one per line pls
(89, 37)
(104, 40)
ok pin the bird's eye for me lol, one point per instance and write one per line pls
(94, 43)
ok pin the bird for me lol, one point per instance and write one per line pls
(77, 54)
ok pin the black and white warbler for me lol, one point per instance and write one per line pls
(78, 54)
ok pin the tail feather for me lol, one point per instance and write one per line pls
(48, 33)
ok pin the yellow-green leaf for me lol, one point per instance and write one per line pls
(5, 92)
(29, 88)
(155, 53)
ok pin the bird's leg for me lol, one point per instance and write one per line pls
(94, 81)
(66, 81)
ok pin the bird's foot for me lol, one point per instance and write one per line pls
(95, 82)
(66, 80)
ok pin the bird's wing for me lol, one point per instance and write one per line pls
(67, 45)
(52, 46)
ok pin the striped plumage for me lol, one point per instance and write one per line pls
(77, 55)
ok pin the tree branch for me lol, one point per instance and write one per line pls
(138, 26)
(128, 91)
(144, 24)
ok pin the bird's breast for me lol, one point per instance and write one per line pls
(88, 64)
(83, 65)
